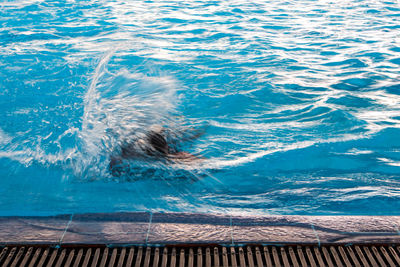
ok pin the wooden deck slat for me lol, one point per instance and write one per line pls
(267, 257)
(156, 257)
(191, 258)
(293, 257)
(35, 257)
(387, 257)
(353, 257)
(394, 255)
(310, 257)
(259, 258)
(241, 257)
(336, 257)
(121, 258)
(43, 258)
(375, 252)
(113, 257)
(342, 253)
(147, 255)
(10, 256)
(301, 256)
(327, 257)
(276, 257)
(78, 258)
(70, 258)
(173, 258)
(3, 254)
(370, 257)
(26, 257)
(318, 255)
(18, 257)
(61, 258)
(199, 257)
(104, 258)
(362, 257)
(233, 257)
(139, 257)
(224, 257)
(250, 257)
(87, 257)
(129, 260)
(182, 258)
(52, 258)
(96, 257)
(216, 257)
(164, 258)
(208, 257)
(285, 259)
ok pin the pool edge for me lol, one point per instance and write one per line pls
(153, 229)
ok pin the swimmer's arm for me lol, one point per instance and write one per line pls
(184, 156)
(192, 134)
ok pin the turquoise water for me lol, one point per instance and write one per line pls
(296, 105)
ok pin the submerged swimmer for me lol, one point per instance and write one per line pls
(155, 146)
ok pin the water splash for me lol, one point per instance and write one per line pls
(120, 106)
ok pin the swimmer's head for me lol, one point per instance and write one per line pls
(158, 142)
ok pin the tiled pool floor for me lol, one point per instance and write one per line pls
(142, 228)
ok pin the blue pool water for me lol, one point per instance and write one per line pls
(296, 103)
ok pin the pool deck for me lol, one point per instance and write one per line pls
(152, 229)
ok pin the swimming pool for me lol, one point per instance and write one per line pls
(297, 103)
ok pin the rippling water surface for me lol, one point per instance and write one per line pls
(296, 105)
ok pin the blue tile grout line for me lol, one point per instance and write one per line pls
(397, 228)
(148, 230)
(316, 235)
(66, 228)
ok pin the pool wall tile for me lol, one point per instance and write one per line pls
(274, 220)
(355, 229)
(177, 228)
(108, 228)
(178, 233)
(185, 228)
(396, 220)
(22, 230)
(353, 224)
(272, 229)
(273, 235)
(190, 218)
(375, 238)
(107, 236)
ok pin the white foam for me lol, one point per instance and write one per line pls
(118, 105)
(4, 138)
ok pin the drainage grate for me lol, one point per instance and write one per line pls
(18, 256)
